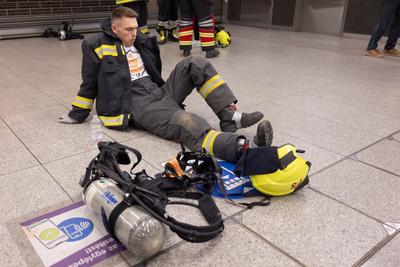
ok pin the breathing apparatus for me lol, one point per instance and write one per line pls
(146, 198)
(63, 33)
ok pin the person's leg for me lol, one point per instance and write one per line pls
(394, 32)
(205, 19)
(144, 14)
(186, 27)
(173, 21)
(196, 134)
(197, 72)
(385, 21)
(163, 18)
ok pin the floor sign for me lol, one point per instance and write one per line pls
(70, 236)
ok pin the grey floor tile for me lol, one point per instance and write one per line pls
(318, 131)
(10, 80)
(358, 93)
(360, 186)
(25, 99)
(13, 155)
(46, 138)
(388, 256)
(234, 247)
(68, 171)
(27, 191)
(121, 136)
(314, 229)
(358, 118)
(9, 252)
(384, 154)
(397, 137)
(57, 84)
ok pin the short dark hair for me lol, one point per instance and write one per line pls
(121, 12)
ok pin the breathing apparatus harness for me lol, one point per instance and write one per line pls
(201, 170)
(153, 193)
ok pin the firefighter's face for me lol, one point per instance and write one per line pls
(125, 29)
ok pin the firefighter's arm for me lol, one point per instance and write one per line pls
(83, 102)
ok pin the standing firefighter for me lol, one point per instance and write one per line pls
(122, 71)
(201, 11)
(167, 20)
(140, 6)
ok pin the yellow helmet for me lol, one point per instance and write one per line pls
(291, 176)
(222, 37)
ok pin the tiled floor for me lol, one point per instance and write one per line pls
(318, 91)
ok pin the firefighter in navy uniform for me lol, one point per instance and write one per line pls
(140, 6)
(201, 11)
(122, 71)
(167, 20)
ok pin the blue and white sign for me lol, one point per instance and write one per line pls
(76, 228)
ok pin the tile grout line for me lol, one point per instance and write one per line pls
(271, 244)
(47, 171)
(375, 249)
(355, 153)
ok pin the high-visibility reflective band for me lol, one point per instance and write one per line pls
(83, 102)
(112, 121)
(211, 85)
(208, 43)
(124, 1)
(208, 142)
(144, 29)
(186, 33)
(206, 34)
(123, 50)
(185, 42)
(106, 50)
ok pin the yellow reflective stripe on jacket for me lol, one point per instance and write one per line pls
(118, 2)
(112, 121)
(211, 85)
(83, 102)
(208, 43)
(208, 142)
(106, 50)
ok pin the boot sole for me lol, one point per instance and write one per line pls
(266, 133)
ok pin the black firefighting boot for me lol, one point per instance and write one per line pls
(263, 137)
(173, 35)
(163, 34)
(186, 52)
(231, 120)
(212, 53)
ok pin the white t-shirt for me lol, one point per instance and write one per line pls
(135, 62)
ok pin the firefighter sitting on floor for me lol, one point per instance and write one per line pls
(121, 69)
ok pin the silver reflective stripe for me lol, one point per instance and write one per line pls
(237, 117)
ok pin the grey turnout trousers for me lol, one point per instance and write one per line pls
(159, 109)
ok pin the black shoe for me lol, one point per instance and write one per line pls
(264, 134)
(212, 53)
(233, 121)
(172, 35)
(186, 53)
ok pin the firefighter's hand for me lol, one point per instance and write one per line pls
(65, 119)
